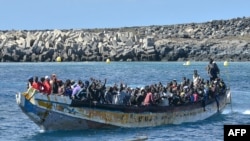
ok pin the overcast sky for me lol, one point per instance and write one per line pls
(79, 14)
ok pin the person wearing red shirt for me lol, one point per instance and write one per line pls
(36, 84)
(46, 85)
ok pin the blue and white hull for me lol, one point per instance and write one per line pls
(52, 112)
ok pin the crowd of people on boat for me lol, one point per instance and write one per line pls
(173, 93)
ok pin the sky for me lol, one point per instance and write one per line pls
(89, 14)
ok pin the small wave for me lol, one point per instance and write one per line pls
(230, 111)
(42, 131)
(226, 111)
(240, 92)
(247, 112)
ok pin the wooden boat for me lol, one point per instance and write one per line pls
(53, 112)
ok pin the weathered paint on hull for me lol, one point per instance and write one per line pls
(55, 113)
(48, 119)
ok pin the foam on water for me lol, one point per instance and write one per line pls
(42, 131)
(246, 112)
(227, 111)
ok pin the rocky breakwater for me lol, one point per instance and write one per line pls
(219, 39)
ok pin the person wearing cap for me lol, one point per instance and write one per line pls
(46, 77)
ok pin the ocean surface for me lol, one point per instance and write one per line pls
(16, 126)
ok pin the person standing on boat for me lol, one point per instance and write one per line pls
(213, 70)
(196, 78)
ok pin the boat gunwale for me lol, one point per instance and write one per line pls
(142, 108)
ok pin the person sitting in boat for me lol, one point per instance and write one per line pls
(184, 81)
(183, 93)
(176, 99)
(102, 88)
(92, 91)
(141, 96)
(61, 89)
(68, 88)
(195, 96)
(128, 96)
(213, 70)
(120, 97)
(214, 89)
(115, 92)
(222, 85)
(96, 90)
(86, 84)
(36, 84)
(46, 85)
(76, 89)
(157, 93)
(134, 94)
(108, 96)
(164, 95)
(174, 85)
(53, 83)
(170, 93)
(30, 82)
(149, 99)
(206, 91)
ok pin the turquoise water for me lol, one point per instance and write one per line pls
(16, 126)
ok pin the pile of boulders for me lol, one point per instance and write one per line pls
(219, 39)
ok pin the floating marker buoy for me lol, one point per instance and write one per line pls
(226, 63)
(107, 61)
(187, 63)
(58, 59)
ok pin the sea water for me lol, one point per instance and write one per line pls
(16, 126)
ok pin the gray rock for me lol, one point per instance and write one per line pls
(221, 39)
